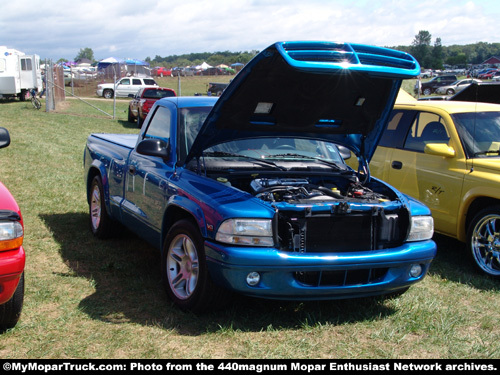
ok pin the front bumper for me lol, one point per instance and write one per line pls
(309, 276)
(11, 268)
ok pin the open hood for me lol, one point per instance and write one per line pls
(341, 93)
(485, 92)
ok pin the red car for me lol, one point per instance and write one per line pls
(139, 107)
(160, 71)
(12, 256)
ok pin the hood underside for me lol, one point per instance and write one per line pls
(342, 93)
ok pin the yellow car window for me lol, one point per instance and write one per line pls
(426, 128)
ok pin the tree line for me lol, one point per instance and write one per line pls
(211, 58)
(429, 55)
(436, 56)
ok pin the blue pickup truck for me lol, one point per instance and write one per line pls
(249, 192)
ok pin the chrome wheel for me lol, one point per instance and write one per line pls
(184, 270)
(101, 224)
(182, 267)
(485, 243)
(95, 207)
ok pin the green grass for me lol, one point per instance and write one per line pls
(87, 298)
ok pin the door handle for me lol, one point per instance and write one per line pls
(397, 165)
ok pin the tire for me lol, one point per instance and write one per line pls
(184, 270)
(483, 241)
(427, 91)
(36, 103)
(139, 121)
(108, 94)
(131, 117)
(10, 311)
(100, 223)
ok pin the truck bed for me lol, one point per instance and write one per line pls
(126, 140)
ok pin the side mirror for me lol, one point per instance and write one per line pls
(154, 147)
(439, 149)
(4, 138)
(344, 152)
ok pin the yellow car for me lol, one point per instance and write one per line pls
(447, 155)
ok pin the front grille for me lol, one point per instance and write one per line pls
(350, 232)
(341, 277)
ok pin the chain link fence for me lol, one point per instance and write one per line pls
(53, 84)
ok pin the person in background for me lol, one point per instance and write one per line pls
(43, 85)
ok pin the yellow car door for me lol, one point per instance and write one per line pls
(427, 165)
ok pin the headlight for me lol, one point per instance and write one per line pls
(11, 235)
(249, 232)
(422, 228)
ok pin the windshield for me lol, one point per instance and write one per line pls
(278, 149)
(479, 132)
(272, 149)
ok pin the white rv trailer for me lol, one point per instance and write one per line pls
(19, 73)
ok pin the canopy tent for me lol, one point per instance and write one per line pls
(111, 68)
(137, 68)
(203, 66)
(237, 66)
(136, 62)
(133, 67)
(103, 64)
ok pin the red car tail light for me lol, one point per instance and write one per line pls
(146, 106)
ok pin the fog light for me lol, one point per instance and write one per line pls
(416, 270)
(253, 278)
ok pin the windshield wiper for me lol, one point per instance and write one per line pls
(223, 153)
(299, 156)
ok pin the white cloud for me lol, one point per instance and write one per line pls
(164, 27)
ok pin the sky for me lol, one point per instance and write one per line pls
(135, 29)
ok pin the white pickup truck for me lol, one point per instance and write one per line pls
(124, 87)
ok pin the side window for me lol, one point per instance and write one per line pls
(125, 81)
(26, 64)
(159, 126)
(397, 127)
(426, 128)
(136, 81)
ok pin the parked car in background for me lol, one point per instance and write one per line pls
(214, 72)
(124, 87)
(430, 87)
(496, 76)
(183, 72)
(215, 88)
(12, 256)
(488, 74)
(142, 102)
(447, 155)
(160, 71)
(426, 73)
(456, 86)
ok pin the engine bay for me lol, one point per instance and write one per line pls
(302, 188)
(318, 212)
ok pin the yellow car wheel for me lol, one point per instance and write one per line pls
(484, 241)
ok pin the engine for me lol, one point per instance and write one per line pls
(301, 190)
